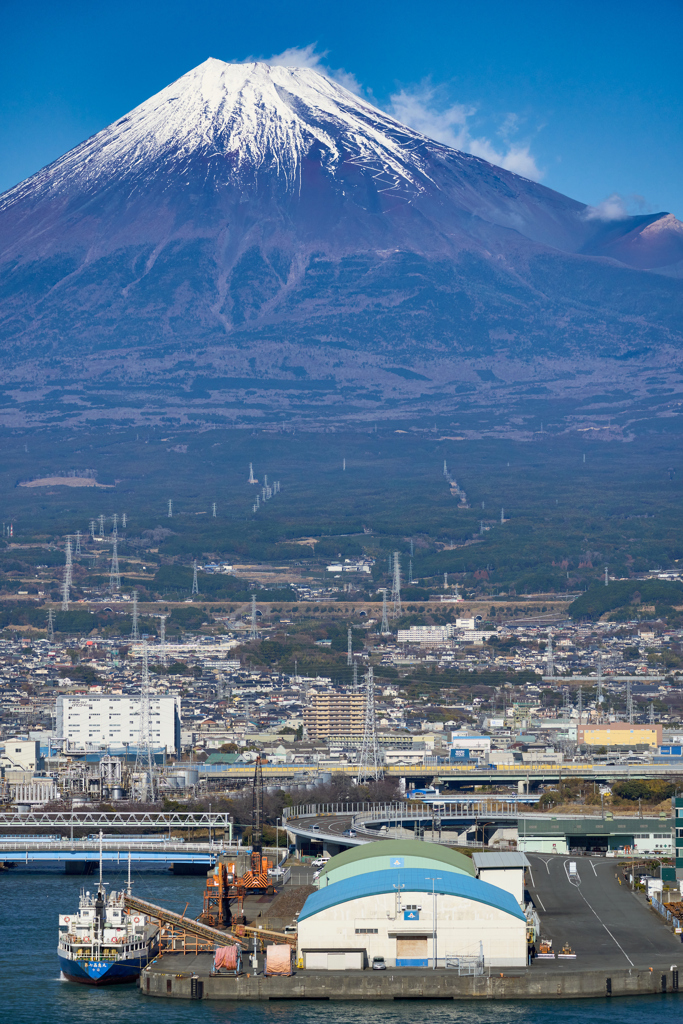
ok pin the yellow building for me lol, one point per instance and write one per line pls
(620, 734)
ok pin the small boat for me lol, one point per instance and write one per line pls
(103, 944)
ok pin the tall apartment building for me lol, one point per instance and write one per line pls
(334, 714)
(95, 722)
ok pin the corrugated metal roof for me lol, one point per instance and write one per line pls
(403, 848)
(500, 860)
(590, 826)
(411, 880)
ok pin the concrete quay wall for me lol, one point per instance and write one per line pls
(168, 981)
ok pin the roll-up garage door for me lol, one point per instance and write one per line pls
(411, 952)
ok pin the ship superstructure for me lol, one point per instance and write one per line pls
(103, 943)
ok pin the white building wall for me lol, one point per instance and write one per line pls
(21, 755)
(115, 721)
(510, 879)
(462, 925)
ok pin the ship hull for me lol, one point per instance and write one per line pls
(102, 972)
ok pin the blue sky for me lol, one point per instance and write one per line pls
(585, 97)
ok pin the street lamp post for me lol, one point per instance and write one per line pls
(434, 938)
(277, 842)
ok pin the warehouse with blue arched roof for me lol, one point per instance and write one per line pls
(412, 916)
(394, 853)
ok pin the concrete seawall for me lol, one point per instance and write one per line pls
(169, 977)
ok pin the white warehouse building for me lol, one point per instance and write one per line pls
(96, 722)
(391, 914)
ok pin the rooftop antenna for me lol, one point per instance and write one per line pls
(135, 630)
(66, 585)
(213, 510)
(253, 616)
(195, 585)
(349, 647)
(396, 586)
(50, 625)
(252, 478)
(101, 522)
(114, 574)
(170, 508)
(78, 543)
(164, 658)
(369, 766)
(385, 618)
(144, 760)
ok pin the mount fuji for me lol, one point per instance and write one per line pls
(256, 243)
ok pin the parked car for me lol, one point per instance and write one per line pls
(378, 963)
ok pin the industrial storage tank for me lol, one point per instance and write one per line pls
(191, 776)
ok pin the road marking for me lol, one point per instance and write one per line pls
(614, 940)
(532, 876)
(541, 902)
(593, 866)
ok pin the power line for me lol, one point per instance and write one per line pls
(370, 765)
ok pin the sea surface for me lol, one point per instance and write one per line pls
(31, 991)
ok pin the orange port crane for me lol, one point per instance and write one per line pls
(224, 884)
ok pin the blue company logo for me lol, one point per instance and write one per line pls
(396, 862)
(411, 915)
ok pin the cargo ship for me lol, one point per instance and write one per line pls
(103, 944)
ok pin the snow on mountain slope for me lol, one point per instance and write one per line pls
(268, 209)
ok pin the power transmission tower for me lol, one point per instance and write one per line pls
(410, 571)
(252, 478)
(170, 508)
(502, 515)
(550, 664)
(213, 510)
(135, 630)
(565, 702)
(66, 585)
(115, 526)
(101, 522)
(606, 576)
(349, 647)
(195, 585)
(50, 626)
(385, 617)
(92, 528)
(370, 765)
(163, 640)
(78, 543)
(144, 759)
(123, 521)
(599, 697)
(396, 586)
(114, 574)
(253, 616)
(629, 702)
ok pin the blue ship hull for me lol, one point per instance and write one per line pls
(103, 972)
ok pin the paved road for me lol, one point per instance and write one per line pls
(605, 923)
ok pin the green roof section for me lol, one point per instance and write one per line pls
(385, 854)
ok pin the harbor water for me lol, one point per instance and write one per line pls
(33, 992)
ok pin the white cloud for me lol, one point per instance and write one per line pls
(421, 108)
(616, 207)
(310, 57)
